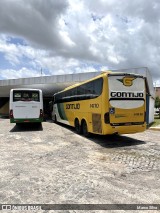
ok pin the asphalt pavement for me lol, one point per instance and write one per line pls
(52, 164)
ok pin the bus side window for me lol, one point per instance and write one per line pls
(25, 95)
(17, 96)
(35, 96)
(89, 88)
(98, 84)
(53, 100)
(79, 90)
(74, 91)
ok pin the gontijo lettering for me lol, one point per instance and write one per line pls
(73, 106)
(127, 94)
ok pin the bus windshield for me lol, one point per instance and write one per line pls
(25, 96)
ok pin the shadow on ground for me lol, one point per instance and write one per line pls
(109, 141)
(113, 141)
(27, 127)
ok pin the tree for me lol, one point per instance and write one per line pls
(157, 104)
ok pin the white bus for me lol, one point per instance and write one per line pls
(26, 105)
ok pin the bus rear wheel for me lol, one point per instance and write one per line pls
(85, 129)
(78, 126)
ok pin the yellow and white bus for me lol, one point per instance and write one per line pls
(107, 104)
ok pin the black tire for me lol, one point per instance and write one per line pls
(85, 130)
(77, 126)
(54, 119)
(39, 124)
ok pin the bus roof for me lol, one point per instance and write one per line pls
(27, 89)
(81, 83)
(103, 73)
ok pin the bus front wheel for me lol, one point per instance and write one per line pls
(54, 118)
(85, 129)
(78, 126)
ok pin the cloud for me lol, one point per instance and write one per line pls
(133, 29)
(13, 74)
(35, 20)
(72, 36)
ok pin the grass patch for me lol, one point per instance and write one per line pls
(156, 122)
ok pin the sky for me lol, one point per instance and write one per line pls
(50, 37)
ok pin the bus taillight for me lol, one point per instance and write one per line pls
(106, 118)
(41, 113)
(11, 113)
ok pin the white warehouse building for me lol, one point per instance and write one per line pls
(51, 84)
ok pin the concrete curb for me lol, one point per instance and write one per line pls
(154, 128)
